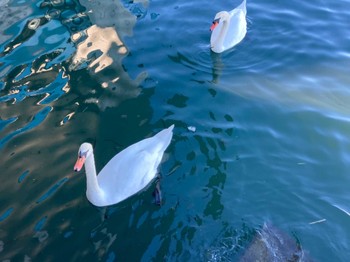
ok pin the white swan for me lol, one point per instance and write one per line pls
(228, 28)
(126, 173)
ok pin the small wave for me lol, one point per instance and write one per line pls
(37, 119)
(52, 190)
(23, 176)
(6, 214)
(40, 224)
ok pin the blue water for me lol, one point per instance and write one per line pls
(261, 130)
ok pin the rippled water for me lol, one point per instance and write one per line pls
(261, 134)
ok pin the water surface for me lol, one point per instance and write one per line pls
(271, 120)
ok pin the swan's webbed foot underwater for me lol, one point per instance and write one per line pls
(157, 193)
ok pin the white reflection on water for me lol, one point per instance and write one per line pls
(38, 102)
(10, 15)
(101, 49)
(324, 92)
(46, 73)
(98, 39)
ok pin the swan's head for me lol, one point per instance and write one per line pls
(84, 152)
(219, 17)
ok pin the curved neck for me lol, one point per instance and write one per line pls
(223, 31)
(92, 186)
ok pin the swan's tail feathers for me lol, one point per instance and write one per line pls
(165, 136)
(243, 6)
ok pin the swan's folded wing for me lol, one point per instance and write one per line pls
(127, 175)
(237, 30)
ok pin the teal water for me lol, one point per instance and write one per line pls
(271, 120)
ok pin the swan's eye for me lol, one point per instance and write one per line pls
(215, 23)
(83, 154)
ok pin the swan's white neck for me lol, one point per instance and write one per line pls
(92, 187)
(219, 41)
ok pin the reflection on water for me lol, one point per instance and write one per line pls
(37, 119)
(10, 15)
(52, 190)
(45, 51)
(6, 214)
(48, 75)
(218, 66)
(259, 129)
(102, 51)
(96, 45)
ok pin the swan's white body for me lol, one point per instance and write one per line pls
(229, 28)
(126, 173)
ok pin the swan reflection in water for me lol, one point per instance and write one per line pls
(217, 67)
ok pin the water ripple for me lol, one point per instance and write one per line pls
(6, 214)
(265, 122)
(40, 224)
(23, 176)
(4, 123)
(52, 190)
(37, 120)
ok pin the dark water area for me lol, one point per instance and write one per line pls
(260, 138)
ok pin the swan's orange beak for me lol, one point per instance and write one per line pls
(215, 23)
(79, 164)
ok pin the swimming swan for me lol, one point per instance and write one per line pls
(228, 28)
(126, 173)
